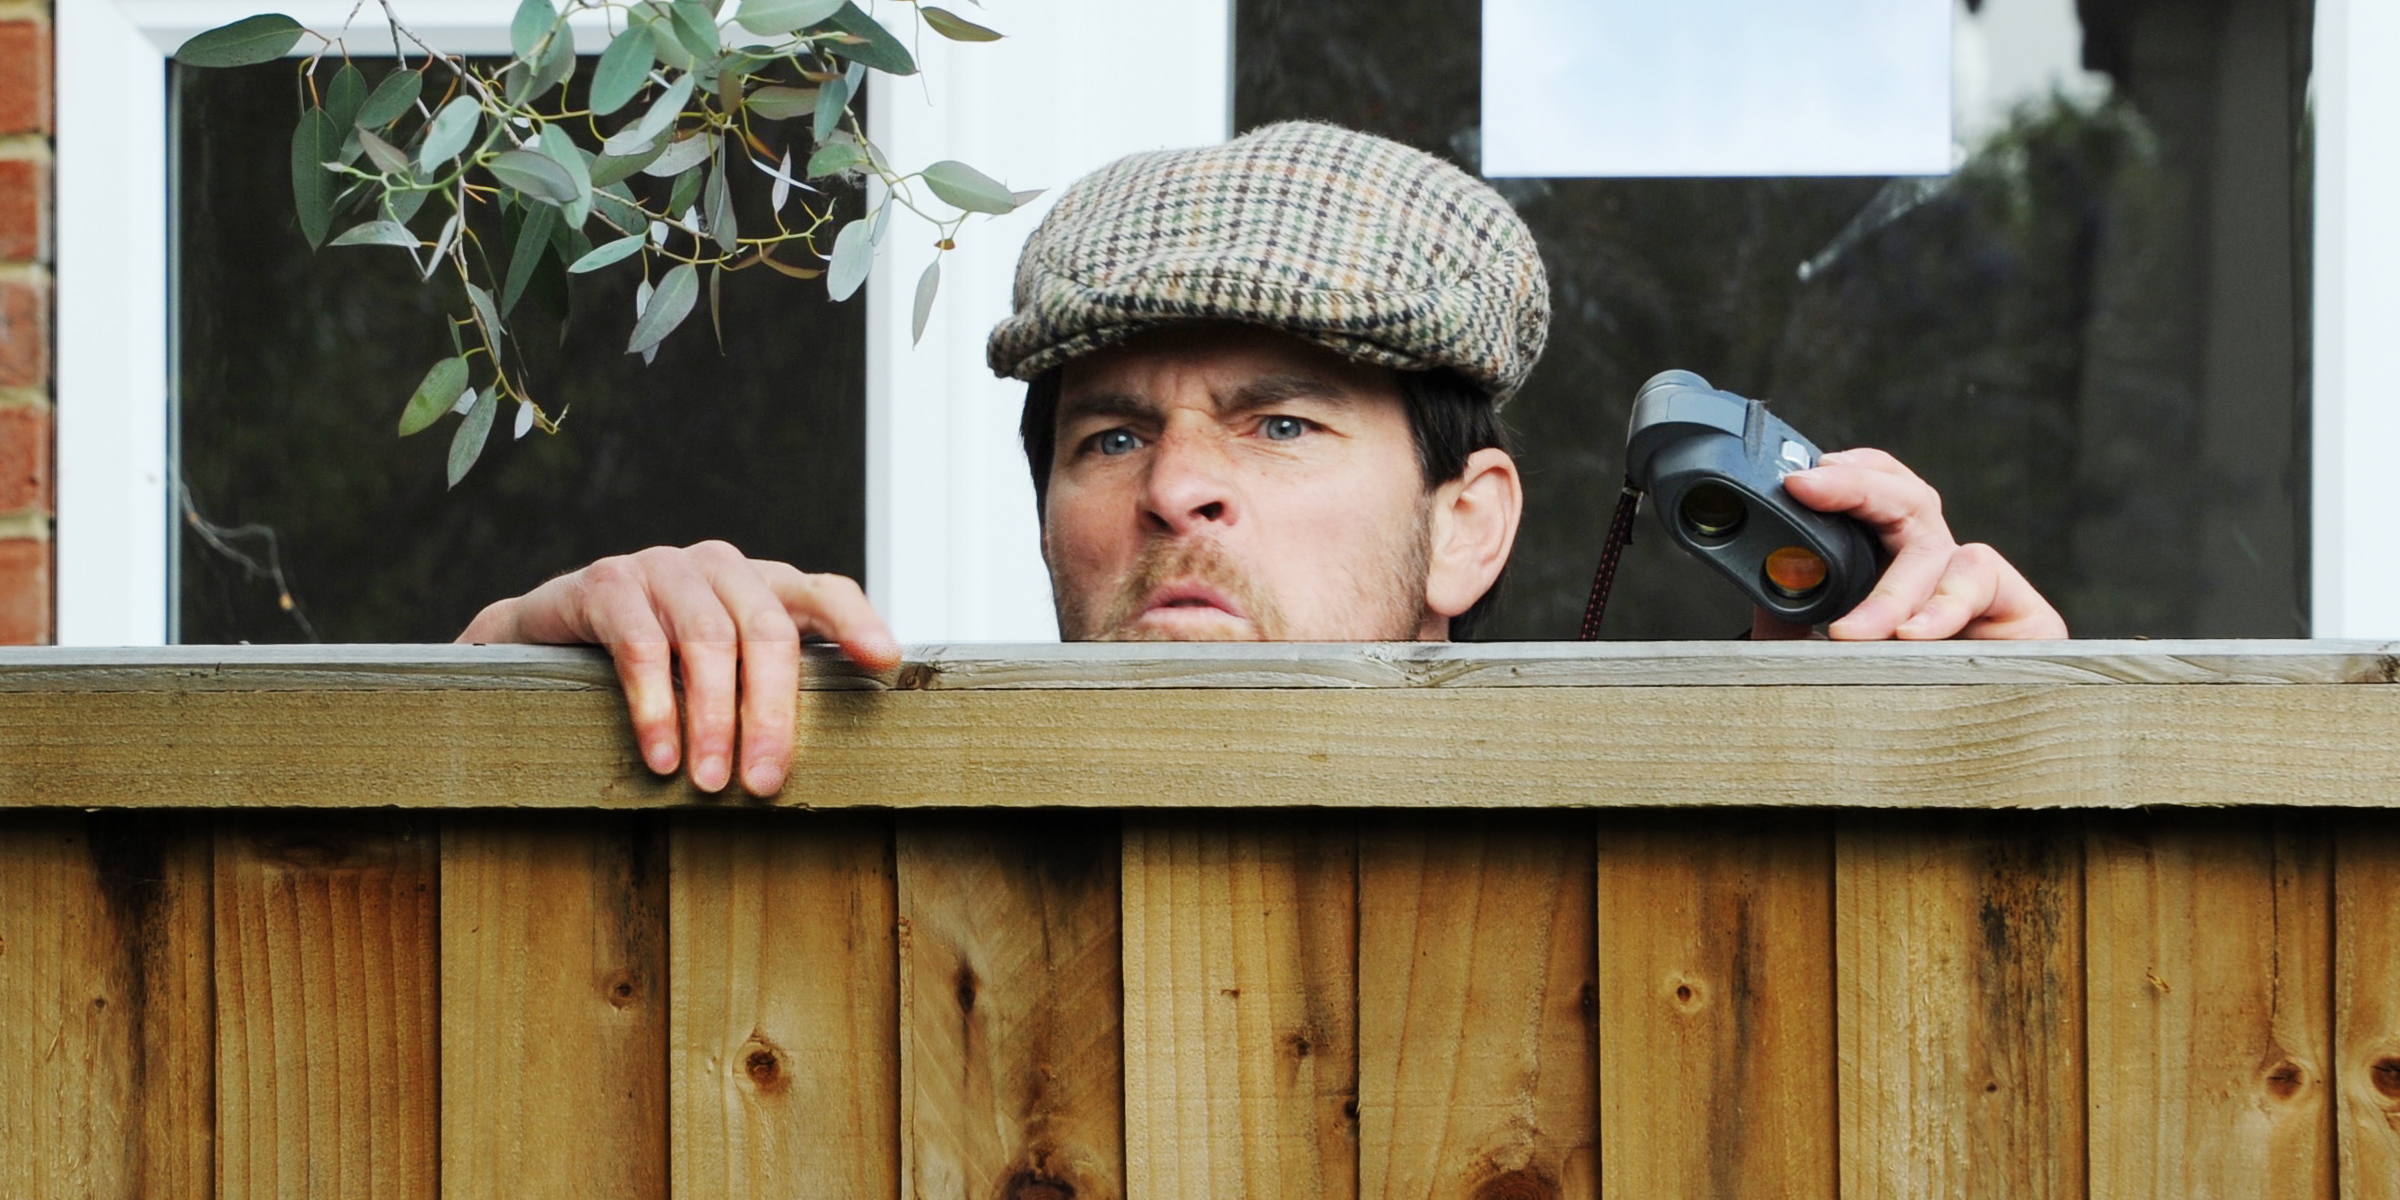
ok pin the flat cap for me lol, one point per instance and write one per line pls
(1375, 250)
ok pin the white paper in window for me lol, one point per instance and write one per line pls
(1716, 87)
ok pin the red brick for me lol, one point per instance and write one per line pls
(24, 334)
(24, 592)
(24, 210)
(24, 77)
(24, 460)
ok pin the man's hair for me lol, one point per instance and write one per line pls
(1449, 417)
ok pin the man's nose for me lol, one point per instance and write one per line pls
(1189, 484)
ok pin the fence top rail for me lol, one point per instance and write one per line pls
(1270, 666)
(1961, 725)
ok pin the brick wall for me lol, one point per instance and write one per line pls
(25, 393)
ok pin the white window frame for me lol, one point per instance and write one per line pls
(951, 540)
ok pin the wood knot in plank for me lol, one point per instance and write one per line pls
(965, 988)
(621, 992)
(1688, 996)
(761, 1065)
(1300, 1043)
(2386, 1074)
(1521, 1184)
(1031, 1185)
(2286, 1079)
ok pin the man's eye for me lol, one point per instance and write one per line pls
(1282, 429)
(1116, 442)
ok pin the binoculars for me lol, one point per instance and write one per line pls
(1713, 464)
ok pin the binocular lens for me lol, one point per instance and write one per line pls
(1713, 510)
(1795, 572)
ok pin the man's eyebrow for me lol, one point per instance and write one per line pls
(1116, 405)
(1269, 390)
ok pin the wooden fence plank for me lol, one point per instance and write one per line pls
(1241, 1051)
(553, 1034)
(327, 1031)
(1477, 994)
(1012, 1051)
(1959, 950)
(106, 1042)
(1717, 1020)
(2366, 946)
(2209, 1023)
(786, 1003)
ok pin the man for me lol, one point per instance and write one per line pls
(1263, 392)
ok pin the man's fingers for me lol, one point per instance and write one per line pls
(834, 607)
(1915, 571)
(613, 607)
(770, 665)
(1873, 487)
(2016, 610)
(1964, 593)
(709, 644)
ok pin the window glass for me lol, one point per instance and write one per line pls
(2090, 337)
(292, 367)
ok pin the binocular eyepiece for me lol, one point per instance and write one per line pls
(1713, 464)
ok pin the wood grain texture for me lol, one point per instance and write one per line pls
(1959, 950)
(786, 1007)
(1717, 1021)
(2366, 977)
(105, 1007)
(2209, 941)
(1012, 1050)
(1476, 1000)
(328, 1061)
(553, 1007)
(1241, 1050)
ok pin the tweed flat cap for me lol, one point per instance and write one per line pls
(1375, 250)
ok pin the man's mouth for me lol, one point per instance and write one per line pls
(1189, 598)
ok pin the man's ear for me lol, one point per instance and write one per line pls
(1474, 526)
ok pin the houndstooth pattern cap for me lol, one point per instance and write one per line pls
(1375, 250)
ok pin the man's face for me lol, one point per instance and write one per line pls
(1229, 483)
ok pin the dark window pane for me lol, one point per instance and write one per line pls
(293, 367)
(2091, 338)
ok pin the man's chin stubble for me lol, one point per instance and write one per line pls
(1262, 620)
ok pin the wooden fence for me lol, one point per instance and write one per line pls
(1080, 923)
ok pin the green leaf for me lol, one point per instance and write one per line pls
(1028, 196)
(853, 253)
(830, 100)
(878, 49)
(525, 30)
(392, 97)
(955, 27)
(615, 168)
(624, 68)
(482, 300)
(833, 158)
(344, 95)
(687, 191)
(258, 39)
(557, 62)
(561, 149)
(526, 254)
(449, 132)
(681, 156)
(314, 143)
(668, 306)
(434, 396)
(615, 204)
(781, 103)
(927, 284)
(388, 158)
(774, 18)
(695, 27)
(962, 186)
(377, 233)
(662, 112)
(466, 445)
(535, 175)
(403, 203)
(716, 199)
(607, 254)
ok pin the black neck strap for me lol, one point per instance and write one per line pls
(1620, 535)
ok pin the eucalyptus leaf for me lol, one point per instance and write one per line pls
(344, 96)
(434, 396)
(607, 253)
(561, 149)
(661, 115)
(401, 204)
(681, 156)
(314, 142)
(773, 18)
(717, 196)
(696, 28)
(955, 27)
(557, 62)
(1028, 196)
(962, 186)
(853, 254)
(687, 191)
(833, 158)
(663, 42)
(377, 233)
(449, 132)
(624, 68)
(524, 418)
(716, 305)
(612, 168)
(620, 211)
(927, 284)
(877, 48)
(466, 445)
(778, 103)
(668, 306)
(526, 254)
(392, 97)
(782, 191)
(883, 220)
(482, 300)
(536, 175)
(388, 158)
(830, 100)
(263, 38)
(441, 244)
(525, 30)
